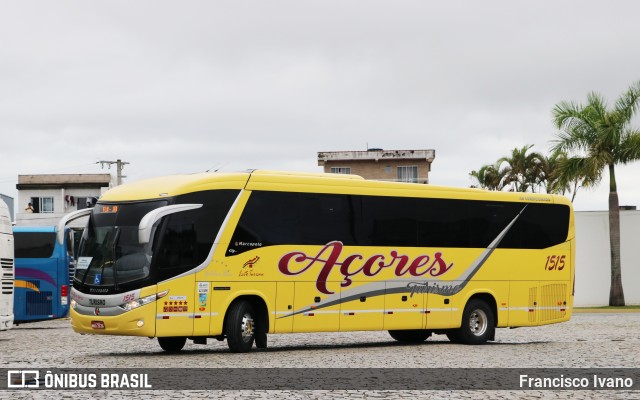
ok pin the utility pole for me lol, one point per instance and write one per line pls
(119, 165)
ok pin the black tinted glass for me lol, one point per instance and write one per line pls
(273, 218)
(34, 244)
(389, 221)
(187, 237)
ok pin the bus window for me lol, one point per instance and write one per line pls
(277, 218)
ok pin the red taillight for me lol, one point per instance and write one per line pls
(64, 290)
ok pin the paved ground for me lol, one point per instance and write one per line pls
(589, 340)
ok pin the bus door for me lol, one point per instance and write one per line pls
(175, 312)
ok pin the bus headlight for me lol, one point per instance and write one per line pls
(133, 304)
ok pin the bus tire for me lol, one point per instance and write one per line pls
(261, 340)
(172, 344)
(478, 324)
(240, 327)
(410, 335)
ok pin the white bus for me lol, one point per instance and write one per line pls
(7, 273)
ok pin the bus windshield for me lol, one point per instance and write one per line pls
(110, 253)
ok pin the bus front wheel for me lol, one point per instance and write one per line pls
(240, 327)
(172, 344)
(478, 324)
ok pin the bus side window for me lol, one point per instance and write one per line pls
(326, 218)
(443, 223)
(540, 226)
(389, 221)
(269, 218)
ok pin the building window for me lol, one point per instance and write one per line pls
(42, 204)
(341, 170)
(408, 174)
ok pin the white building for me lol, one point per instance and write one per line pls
(52, 196)
(593, 259)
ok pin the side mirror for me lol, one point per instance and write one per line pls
(147, 222)
(68, 218)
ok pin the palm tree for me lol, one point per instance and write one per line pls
(601, 137)
(554, 181)
(489, 177)
(523, 170)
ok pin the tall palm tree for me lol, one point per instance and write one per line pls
(601, 137)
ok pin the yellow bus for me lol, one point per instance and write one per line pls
(237, 256)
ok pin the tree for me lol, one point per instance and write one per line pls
(599, 138)
(489, 177)
(555, 182)
(522, 170)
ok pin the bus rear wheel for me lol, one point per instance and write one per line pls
(410, 335)
(240, 327)
(478, 324)
(172, 344)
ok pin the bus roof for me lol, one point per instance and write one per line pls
(174, 185)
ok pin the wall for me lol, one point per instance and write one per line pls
(60, 206)
(593, 260)
(381, 170)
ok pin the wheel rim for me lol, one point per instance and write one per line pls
(247, 328)
(478, 322)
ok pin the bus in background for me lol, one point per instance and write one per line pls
(6, 266)
(43, 267)
(239, 256)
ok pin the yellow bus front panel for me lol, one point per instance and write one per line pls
(176, 310)
(138, 322)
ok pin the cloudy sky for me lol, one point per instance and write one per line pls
(187, 86)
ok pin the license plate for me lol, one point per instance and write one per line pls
(97, 324)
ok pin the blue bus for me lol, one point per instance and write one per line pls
(43, 266)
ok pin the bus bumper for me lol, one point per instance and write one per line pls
(138, 322)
